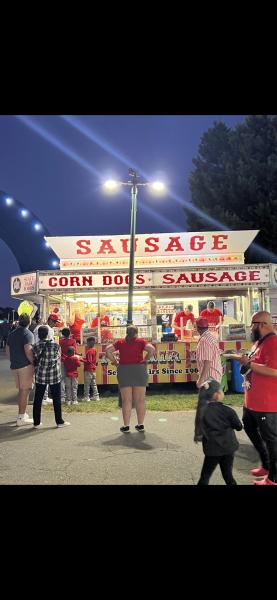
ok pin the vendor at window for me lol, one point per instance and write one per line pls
(75, 326)
(186, 315)
(55, 316)
(213, 315)
(103, 319)
(106, 334)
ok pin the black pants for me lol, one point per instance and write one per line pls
(261, 429)
(210, 464)
(56, 395)
(201, 405)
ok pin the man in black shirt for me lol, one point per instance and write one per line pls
(19, 350)
(219, 440)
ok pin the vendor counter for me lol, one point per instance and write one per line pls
(172, 362)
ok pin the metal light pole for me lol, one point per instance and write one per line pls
(134, 193)
(110, 186)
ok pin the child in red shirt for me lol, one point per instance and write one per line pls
(71, 364)
(89, 371)
(65, 342)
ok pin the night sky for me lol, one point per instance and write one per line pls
(55, 165)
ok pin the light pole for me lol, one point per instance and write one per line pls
(134, 193)
(133, 184)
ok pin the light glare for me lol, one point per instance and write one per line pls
(110, 185)
(158, 186)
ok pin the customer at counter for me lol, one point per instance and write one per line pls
(186, 315)
(132, 374)
(213, 315)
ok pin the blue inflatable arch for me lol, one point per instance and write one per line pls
(24, 232)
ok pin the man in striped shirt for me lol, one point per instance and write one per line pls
(209, 367)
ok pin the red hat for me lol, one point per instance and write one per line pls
(202, 322)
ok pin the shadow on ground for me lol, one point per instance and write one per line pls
(10, 431)
(247, 452)
(137, 441)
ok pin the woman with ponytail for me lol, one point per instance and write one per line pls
(132, 376)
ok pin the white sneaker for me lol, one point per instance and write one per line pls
(64, 424)
(24, 421)
(86, 399)
(75, 402)
(38, 426)
(95, 398)
(47, 401)
(69, 403)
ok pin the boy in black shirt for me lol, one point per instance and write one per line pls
(219, 439)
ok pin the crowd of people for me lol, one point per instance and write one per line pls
(36, 359)
(37, 356)
(215, 422)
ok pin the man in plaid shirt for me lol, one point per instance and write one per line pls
(47, 360)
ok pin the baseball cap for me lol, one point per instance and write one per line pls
(202, 322)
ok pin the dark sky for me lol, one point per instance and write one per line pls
(55, 165)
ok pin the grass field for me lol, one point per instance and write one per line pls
(160, 401)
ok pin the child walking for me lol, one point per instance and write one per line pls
(219, 440)
(71, 364)
(89, 371)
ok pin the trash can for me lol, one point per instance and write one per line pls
(224, 381)
(236, 378)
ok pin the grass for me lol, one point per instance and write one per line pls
(160, 402)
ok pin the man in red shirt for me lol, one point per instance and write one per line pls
(55, 317)
(260, 407)
(106, 334)
(103, 318)
(71, 364)
(186, 315)
(213, 315)
(89, 371)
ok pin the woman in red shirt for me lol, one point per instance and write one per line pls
(131, 374)
(76, 326)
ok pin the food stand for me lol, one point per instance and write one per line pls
(171, 271)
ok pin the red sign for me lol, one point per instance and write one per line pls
(152, 245)
(247, 275)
